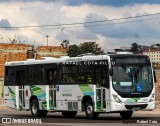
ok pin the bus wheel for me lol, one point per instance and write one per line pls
(35, 109)
(69, 113)
(126, 114)
(89, 110)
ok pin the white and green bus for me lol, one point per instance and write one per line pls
(95, 84)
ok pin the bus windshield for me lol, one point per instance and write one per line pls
(132, 78)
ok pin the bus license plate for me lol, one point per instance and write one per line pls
(136, 108)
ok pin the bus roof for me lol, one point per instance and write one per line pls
(47, 60)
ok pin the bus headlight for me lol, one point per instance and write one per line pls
(152, 98)
(116, 99)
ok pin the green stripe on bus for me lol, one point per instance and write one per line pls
(38, 92)
(85, 88)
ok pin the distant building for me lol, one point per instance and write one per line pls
(143, 47)
(50, 51)
(20, 52)
(126, 48)
(118, 50)
(154, 55)
(12, 52)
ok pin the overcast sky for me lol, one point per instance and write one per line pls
(109, 35)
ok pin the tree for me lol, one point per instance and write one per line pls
(134, 47)
(73, 50)
(16, 40)
(86, 47)
(65, 44)
(90, 47)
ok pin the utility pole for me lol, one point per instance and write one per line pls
(47, 39)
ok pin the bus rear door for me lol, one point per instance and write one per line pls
(51, 81)
(21, 80)
(100, 75)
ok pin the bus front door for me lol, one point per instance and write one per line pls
(100, 89)
(51, 74)
(20, 75)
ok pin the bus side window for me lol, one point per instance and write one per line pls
(101, 76)
(51, 76)
(89, 78)
(30, 73)
(38, 74)
(11, 76)
(69, 74)
(6, 76)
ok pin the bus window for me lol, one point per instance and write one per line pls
(6, 76)
(20, 78)
(81, 78)
(51, 76)
(89, 74)
(38, 74)
(30, 73)
(100, 76)
(89, 79)
(69, 74)
(85, 74)
(11, 76)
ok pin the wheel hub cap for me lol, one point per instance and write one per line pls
(34, 108)
(90, 109)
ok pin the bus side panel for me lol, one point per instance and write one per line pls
(10, 96)
(69, 97)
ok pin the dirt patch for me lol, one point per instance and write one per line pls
(1, 101)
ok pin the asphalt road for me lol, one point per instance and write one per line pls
(79, 120)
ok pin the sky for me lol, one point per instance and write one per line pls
(111, 34)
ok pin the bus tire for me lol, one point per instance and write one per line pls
(126, 114)
(89, 110)
(69, 113)
(35, 109)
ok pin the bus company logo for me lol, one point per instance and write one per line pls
(6, 120)
(15, 120)
(136, 99)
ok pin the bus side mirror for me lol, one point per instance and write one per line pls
(154, 74)
(111, 72)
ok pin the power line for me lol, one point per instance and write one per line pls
(113, 23)
(90, 25)
(80, 23)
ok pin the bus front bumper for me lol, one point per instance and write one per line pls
(137, 106)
